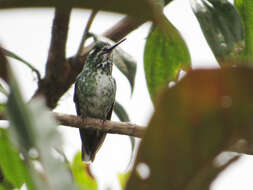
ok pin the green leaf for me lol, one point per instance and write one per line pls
(120, 112)
(124, 62)
(81, 174)
(123, 178)
(245, 8)
(123, 116)
(6, 185)
(221, 26)
(165, 55)
(13, 168)
(34, 131)
(201, 116)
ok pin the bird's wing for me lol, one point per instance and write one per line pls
(75, 99)
(109, 115)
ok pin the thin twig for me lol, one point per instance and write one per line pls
(85, 32)
(15, 56)
(3, 66)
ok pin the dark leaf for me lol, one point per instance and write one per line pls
(123, 116)
(165, 55)
(120, 112)
(221, 26)
(201, 116)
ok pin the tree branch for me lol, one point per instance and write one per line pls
(3, 66)
(57, 68)
(123, 128)
(123, 27)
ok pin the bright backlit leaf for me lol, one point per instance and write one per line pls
(81, 173)
(165, 55)
(123, 178)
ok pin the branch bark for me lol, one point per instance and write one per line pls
(123, 128)
(57, 68)
(3, 66)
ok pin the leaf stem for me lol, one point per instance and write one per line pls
(14, 56)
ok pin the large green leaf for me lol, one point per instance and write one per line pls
(245, 8)
(13, 168)
(34, 131)
(165, 55)
(123, 178)
(221, 26)
(81, 174)
(201, 116)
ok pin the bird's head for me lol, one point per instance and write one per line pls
(100, 56)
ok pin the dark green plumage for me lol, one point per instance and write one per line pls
(94, 95)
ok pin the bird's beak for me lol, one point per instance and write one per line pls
(115, 45)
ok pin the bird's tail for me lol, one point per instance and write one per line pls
(91, 142)
(86, 157)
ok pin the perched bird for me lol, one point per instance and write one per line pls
(94, 95)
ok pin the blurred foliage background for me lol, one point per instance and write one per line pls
(197, 118)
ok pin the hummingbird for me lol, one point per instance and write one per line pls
(94, 95)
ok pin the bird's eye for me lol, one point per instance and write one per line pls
(105, 50)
